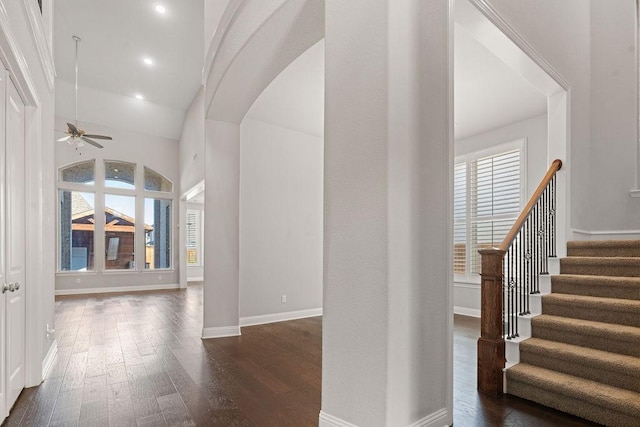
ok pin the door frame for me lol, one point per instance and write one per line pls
(40, 349)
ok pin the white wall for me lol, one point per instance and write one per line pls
(281, 196)
(592, 45)
(466, 296)
(561, 33)
(157, 153)
(192, 145)
(535, 132)
(614, 115)
(213, 10)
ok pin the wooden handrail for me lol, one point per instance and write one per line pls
(556, 165)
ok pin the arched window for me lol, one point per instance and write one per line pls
(102, 210)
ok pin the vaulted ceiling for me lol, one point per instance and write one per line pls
(119, 34)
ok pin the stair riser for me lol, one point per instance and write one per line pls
(600, 270)
(600, 373)
(610, 343)
(570, 405)
(596, 314)
(576, 288)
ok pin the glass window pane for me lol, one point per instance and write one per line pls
(119, 174)
(157, 230)
(193, 236)
(153, 181)
(77, 227)
(80, 173)
(120, 224)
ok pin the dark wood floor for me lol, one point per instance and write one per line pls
(137, 359)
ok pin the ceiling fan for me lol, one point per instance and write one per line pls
(74, 134)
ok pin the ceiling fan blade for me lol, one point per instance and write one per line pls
(98, 137)
(63, 139)
(72, 128)
(88, 141)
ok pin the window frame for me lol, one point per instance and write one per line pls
(100, 190)
(519, 145)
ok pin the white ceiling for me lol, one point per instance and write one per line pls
(117, 34)
(295, 99)
(488, 94)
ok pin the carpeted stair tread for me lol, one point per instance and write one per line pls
(601, 266)
(585, 398)
(604, 248)
(597, 286)
(607, 310)
(620, 339)
(596, 365)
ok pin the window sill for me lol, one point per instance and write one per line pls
(77, 273)
(109, 272)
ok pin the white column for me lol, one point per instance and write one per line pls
(387, 327)
(221, 229)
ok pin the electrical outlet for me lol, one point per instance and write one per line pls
(283, 299)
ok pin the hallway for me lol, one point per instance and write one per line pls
(137, 359)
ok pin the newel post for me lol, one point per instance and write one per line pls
(491, 359)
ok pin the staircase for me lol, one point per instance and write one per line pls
(583, 356)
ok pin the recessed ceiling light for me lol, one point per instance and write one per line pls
(148, 61)
(161, 9)
(139, 96)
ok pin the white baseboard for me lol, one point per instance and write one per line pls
(195, 279)
(49, 358)
(326, 420)
(436, 419)
(280, 317)
(117, 289)
(220, 332)
(608, 234)
(465, 311)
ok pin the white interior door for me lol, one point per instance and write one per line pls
(15, 308)
(3, 277)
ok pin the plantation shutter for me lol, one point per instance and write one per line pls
(193, 235)
(495, 201)
(460, 218)
(486, 202)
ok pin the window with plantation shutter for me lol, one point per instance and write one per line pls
(487, 201)
(193, 237)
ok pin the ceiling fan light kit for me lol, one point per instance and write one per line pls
(74, 134)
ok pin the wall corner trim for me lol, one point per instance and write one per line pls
(221, 332)
(634, 193)
(326, 420)
(280, 317)
(117, 289)
(466, 311)
(47, 363)
(435, 419)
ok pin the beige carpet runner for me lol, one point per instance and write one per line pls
(584, 354)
